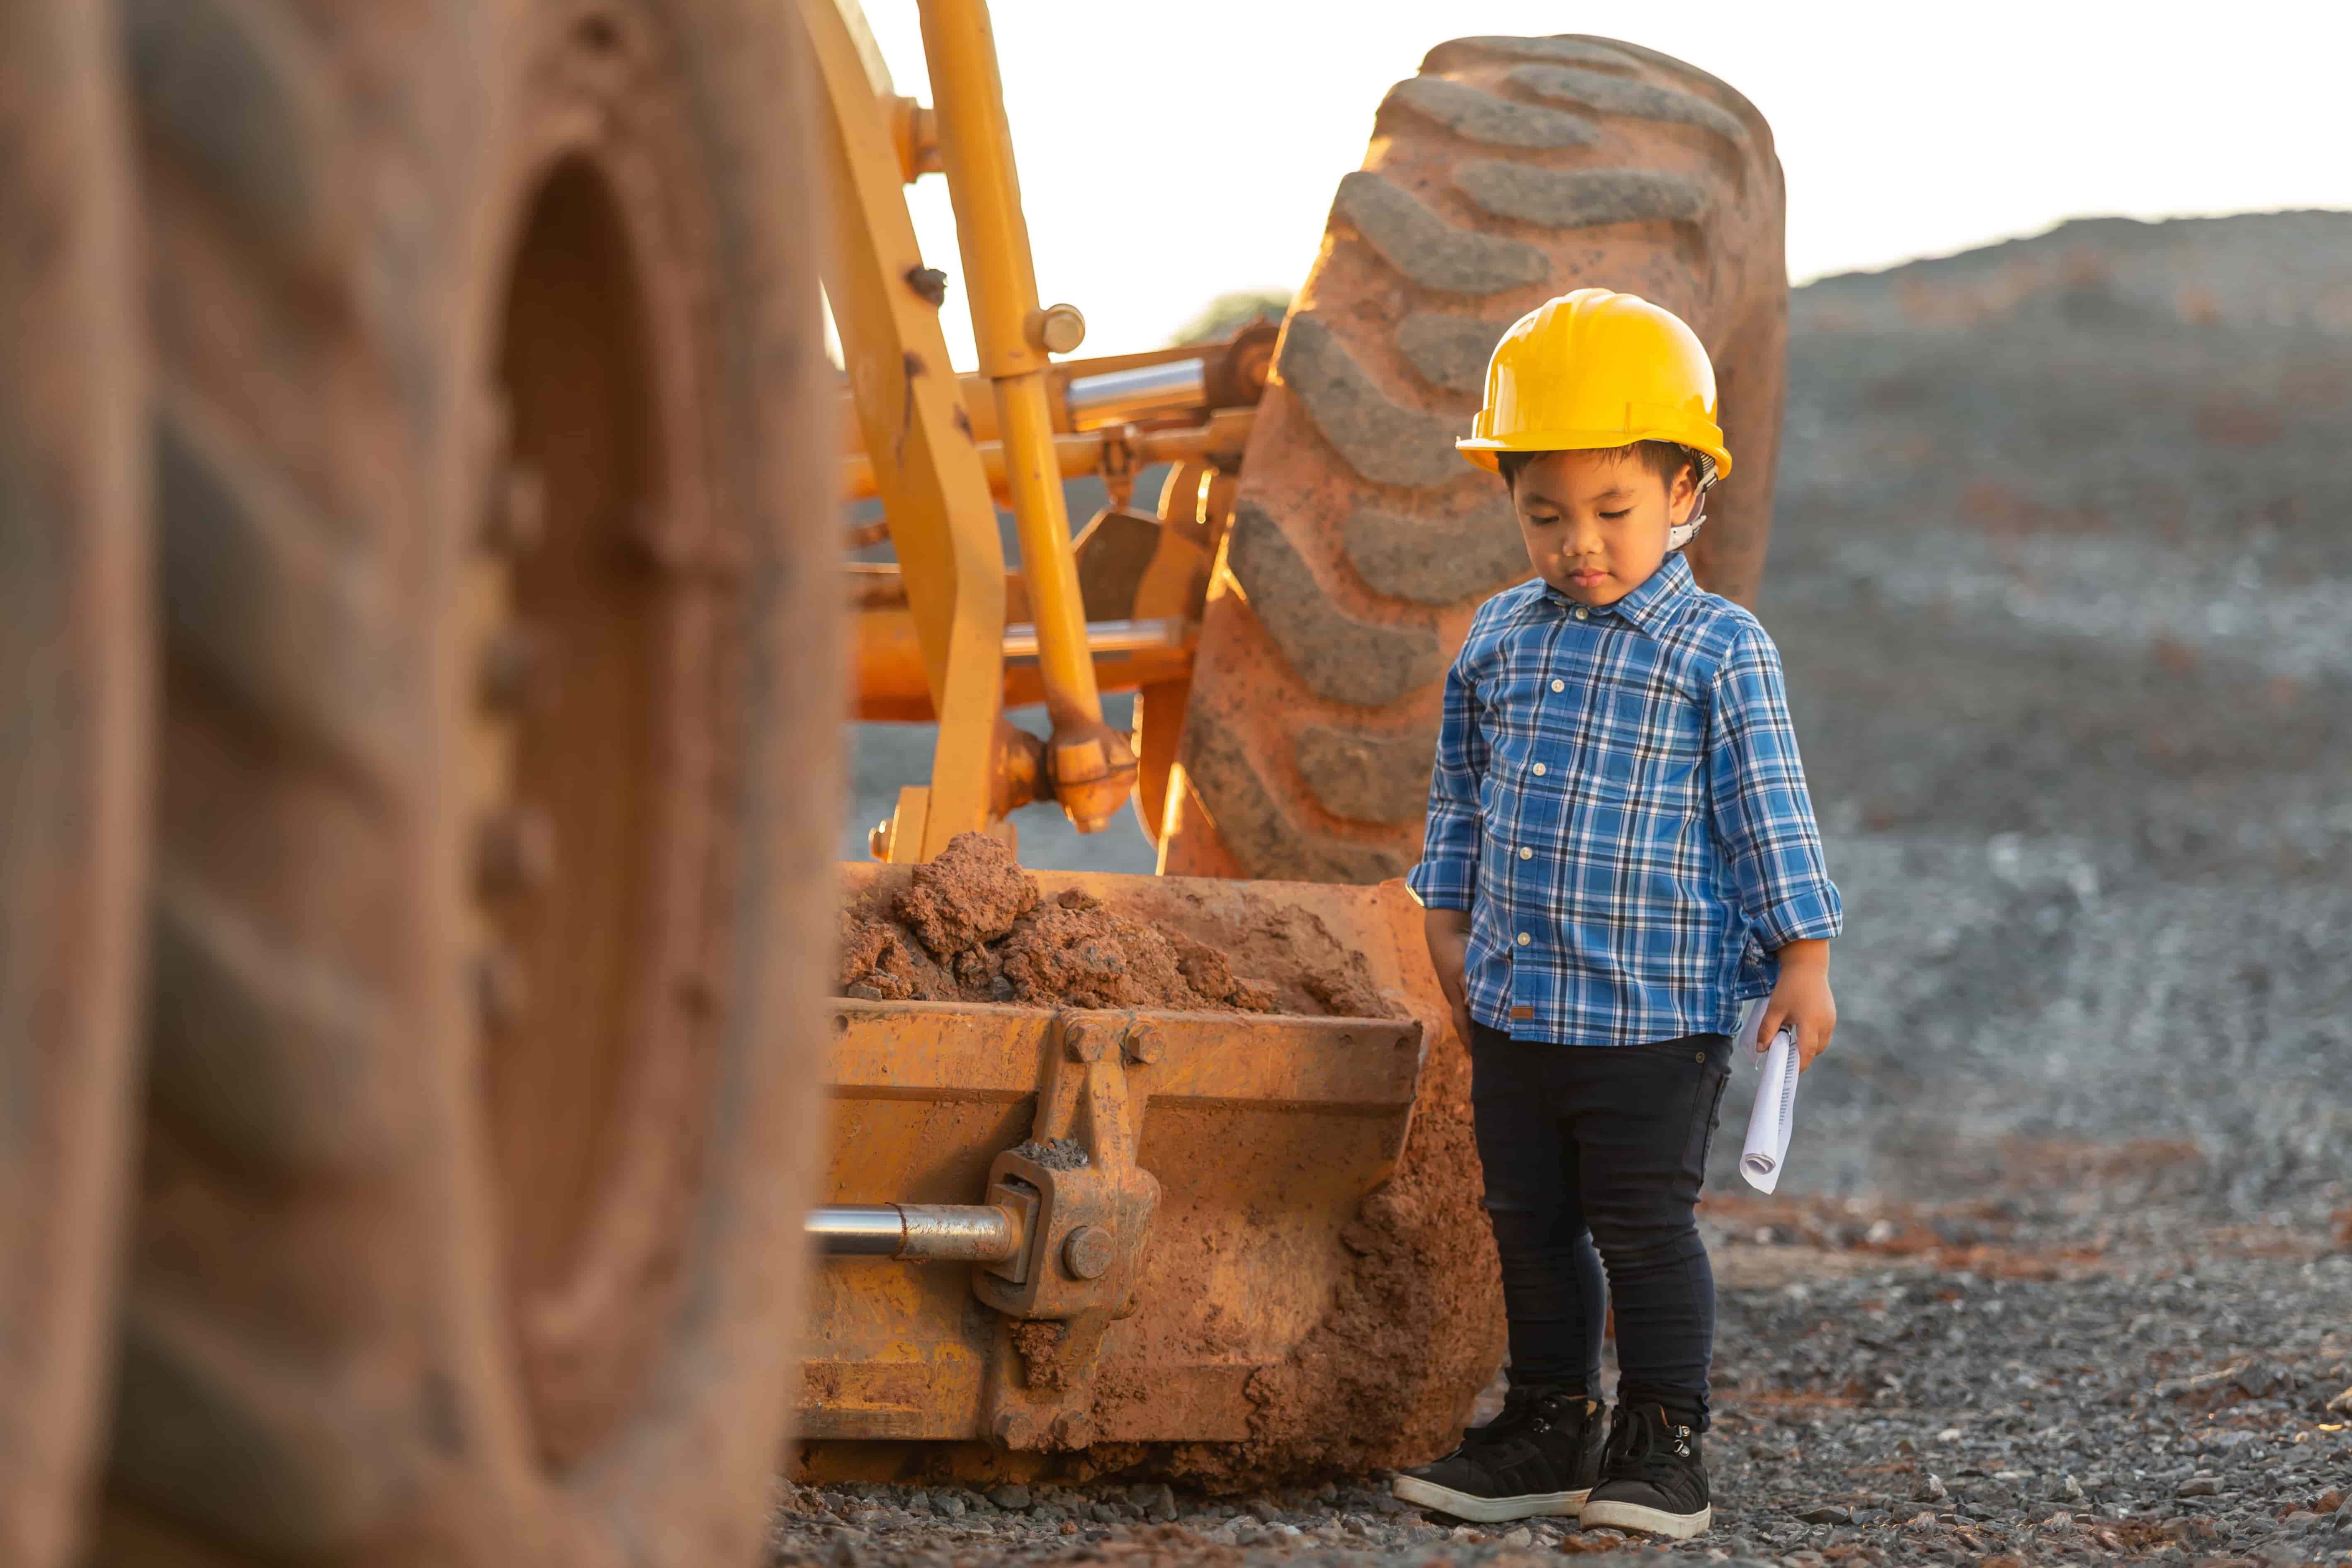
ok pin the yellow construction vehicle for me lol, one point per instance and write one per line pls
(422, 640)
(1260, 1206)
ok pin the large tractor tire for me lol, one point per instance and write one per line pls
(74, 730)
(1509, 171)
(496, 799)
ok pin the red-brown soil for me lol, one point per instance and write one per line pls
(972, 926)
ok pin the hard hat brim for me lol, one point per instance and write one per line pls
(1481, 451)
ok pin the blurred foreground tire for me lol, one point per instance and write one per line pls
(75, 718)
(496, 781)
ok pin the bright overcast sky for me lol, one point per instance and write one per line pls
(1171, 150)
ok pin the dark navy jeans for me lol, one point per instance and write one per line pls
(1594, 1157)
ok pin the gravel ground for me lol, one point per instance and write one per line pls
(2068, 1366)
(2062, 1267)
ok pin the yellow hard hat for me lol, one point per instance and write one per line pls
(1597, 369)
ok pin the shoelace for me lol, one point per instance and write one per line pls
(1636, 1453)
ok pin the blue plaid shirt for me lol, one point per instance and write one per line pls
(1619, 802)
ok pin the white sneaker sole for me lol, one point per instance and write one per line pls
(1488, 1509)
(1651, 1520)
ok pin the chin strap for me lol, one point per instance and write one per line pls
(1683, 533)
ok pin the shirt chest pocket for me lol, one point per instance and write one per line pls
(1643, 742)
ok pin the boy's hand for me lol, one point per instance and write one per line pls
(1802, 1000)
(1447, 932)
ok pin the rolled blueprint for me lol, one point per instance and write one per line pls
(1774, 1115)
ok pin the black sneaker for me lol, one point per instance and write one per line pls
(1651, 1478)
(1539, 1457)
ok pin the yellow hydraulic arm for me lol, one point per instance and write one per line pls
(918, 435)
(1092, 767)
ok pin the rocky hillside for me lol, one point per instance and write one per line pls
(2063, 573)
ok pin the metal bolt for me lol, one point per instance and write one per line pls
(512, 662)
(501, 992)
(1084, 1042)
(514, 851)
(1087, 1252)
(1057, 329)
(1073, 1430)
(1015, 1429)
(1144, 1046)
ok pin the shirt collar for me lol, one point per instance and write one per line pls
(1647, 607)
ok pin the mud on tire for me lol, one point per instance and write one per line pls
(493, 829)
(73, 742)
(1509, 171)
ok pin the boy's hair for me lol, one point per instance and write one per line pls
(1664, 459)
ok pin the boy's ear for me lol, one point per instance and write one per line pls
(1681, 495)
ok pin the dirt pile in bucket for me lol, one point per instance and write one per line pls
(972, 926)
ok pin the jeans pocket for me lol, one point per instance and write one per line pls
(1701, 1135)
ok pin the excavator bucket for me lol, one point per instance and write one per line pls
(1231, 1245)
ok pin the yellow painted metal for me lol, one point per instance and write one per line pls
(1194, 503)
(1093, 767)
(1219, 439)
(1128, 655)
(934, 491)
(980, 399)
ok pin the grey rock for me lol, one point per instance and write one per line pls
(1012, 1498)
(1827, 1513)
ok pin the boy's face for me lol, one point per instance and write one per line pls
(1596, 523)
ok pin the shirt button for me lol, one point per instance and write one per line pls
(1526, 853)
(1539, 770)
(1582, 614)
(1560, 685)
(1525, 938)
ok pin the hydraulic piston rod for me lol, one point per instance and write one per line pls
(1092, 765)
(960, 1233)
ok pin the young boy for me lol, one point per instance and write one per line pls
(1620, 852)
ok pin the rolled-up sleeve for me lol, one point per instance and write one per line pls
(1763, 815)
(1447, 875)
